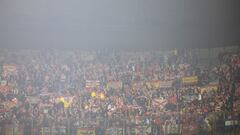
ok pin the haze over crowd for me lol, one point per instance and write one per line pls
(118, 24)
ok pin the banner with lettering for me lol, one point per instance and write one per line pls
(166, 84)
(190, 80)
(92, 84)
(209, 88)
(153, 84)
(86, 131)
(9, 68)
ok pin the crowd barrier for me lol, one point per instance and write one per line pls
(115, 131)
(171, 129)
(86, 131)
(137, 130)
(226, 126)
(11, 130)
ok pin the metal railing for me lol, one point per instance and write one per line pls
(221, 123)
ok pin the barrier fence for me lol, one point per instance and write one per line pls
(215, 124)
(233, 129)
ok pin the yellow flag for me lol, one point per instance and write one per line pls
(93, 94)
(102, 96)
(66, 104)
(86, 106)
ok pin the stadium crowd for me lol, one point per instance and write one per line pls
(104, 89)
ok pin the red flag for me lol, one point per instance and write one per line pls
(172, 99)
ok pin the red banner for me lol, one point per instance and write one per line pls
(4, 89)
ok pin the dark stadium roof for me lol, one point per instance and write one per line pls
(125, 23)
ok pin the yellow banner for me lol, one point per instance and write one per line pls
(10, 104)
(153, 84)
(209, 88)
(190, 80)
(86, 131)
